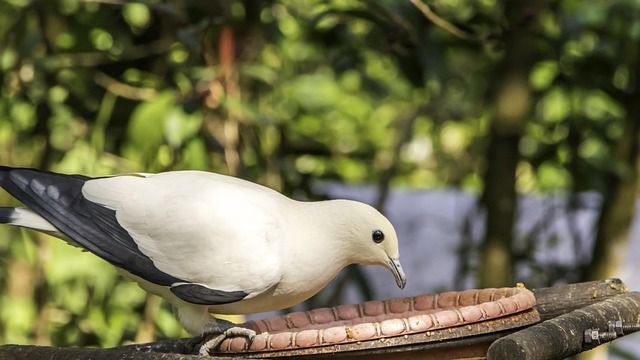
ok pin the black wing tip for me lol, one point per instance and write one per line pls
(7, 169)
(202, 295)
(58, 199)
(4, 170)
(7, 215)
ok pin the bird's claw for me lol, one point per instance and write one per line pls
(213, 340)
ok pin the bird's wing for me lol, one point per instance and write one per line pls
(58, 199)
(128, 227)
(205, 228)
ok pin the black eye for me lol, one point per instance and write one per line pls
(377, 236)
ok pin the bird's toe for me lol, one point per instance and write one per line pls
(213, 340)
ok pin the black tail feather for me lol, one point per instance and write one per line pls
(6, 215)
(58, 199)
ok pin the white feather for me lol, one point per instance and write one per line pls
(27, 218)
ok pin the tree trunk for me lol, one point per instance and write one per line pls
(616, 215)
(512, 104)
(612, 239)
(499, 199)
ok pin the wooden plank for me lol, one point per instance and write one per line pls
(563, 336)
(559, 300)
(465, 342)
(30, 352)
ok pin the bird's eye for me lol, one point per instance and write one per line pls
(377, 236)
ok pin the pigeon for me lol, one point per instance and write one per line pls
(207, 243)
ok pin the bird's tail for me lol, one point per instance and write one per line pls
(26, 218)
(22, 216)
(27, 185)
(6, 215)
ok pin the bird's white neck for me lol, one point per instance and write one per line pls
(317, 244)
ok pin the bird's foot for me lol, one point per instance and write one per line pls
(212, 340)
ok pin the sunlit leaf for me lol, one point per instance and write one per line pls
(136, 14)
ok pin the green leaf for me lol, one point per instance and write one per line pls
(145, 133)
(137, 15)
(180, 126)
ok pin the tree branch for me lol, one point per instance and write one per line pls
(442, 23)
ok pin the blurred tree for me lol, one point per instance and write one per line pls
(511, 99)
(621, 183)
(498, 98)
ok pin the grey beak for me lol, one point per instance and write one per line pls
(398, 273)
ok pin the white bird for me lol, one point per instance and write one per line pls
(205, 242)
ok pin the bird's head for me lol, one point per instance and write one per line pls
(372, 239)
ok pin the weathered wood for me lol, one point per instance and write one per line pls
(470, 348)
(30, 352)
(470, 341)
(559, 300)
(178, 349)
(474, 347)
(563, 336)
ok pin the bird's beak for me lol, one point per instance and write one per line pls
(398, 273)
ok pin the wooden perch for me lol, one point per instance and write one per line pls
(564, 335)
(559, 300)
(568, 309)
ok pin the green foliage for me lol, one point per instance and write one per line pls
(347, 90)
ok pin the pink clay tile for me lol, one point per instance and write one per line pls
(381, 319)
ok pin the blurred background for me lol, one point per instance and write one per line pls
(501, 137)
